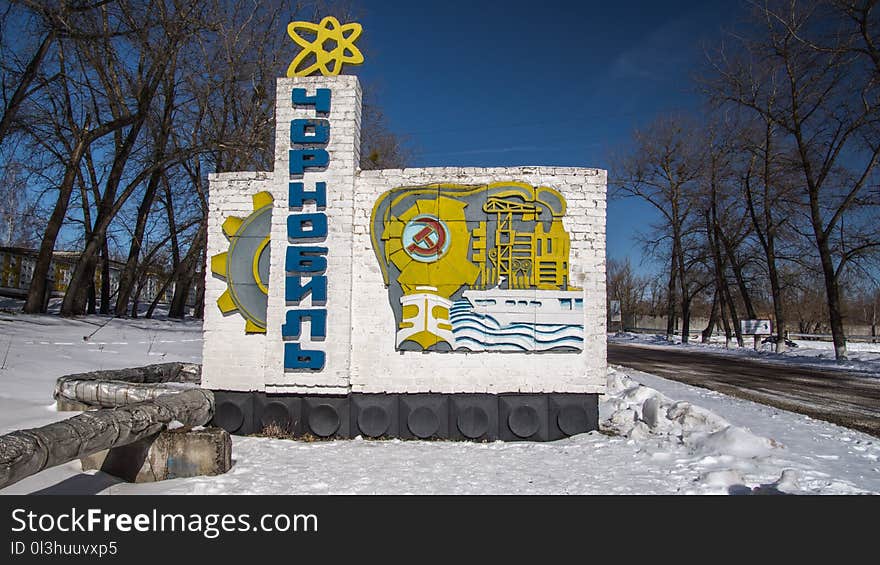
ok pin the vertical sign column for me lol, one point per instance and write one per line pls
(305, 263)
(317, 150)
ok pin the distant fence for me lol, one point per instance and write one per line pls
(790, 335)
(827, 337)
(660, 331)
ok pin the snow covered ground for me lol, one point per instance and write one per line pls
(658, 436)
(863, 357)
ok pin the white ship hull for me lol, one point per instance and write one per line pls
(546, 307)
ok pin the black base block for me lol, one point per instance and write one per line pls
(375, 415)
(424, 416)
(523, 417)
(234, 412)
(571, 414)
(327, 416)
(464, 417)
(474, 417)
(284, 412)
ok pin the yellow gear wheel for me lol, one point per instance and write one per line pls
(245, 266)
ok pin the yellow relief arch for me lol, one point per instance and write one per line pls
(440, 245)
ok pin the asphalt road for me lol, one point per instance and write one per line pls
(841, 397)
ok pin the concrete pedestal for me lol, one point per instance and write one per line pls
(167, 455)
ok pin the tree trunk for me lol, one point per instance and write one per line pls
(736, 268)
(105, 279)
(90, 291)
(37, 290)
(134, 301)
(776, 292)
(177, 308)
(717, 260)
(832, 291)
(713, 314)
(766, 232)
(670, 300)
(686, 320)
(127, 277)
(87, 226)
(722, 303)
(199, 306)
(683, 287)
(874, 321)
(158, 296)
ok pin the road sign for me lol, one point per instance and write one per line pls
(755, 327)
(614, 310)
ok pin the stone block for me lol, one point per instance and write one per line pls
(234, 412)
(172, 454)
(281, 411)
(326, 416)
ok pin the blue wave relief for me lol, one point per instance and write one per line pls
(482, 332)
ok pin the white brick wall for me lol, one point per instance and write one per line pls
(361, 356)
(377, 367)
(230, 358)
(344, 149)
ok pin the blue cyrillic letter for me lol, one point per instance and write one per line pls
(295, 290)
(309, 131)
(296, 357)
(297, 196)
(297, 224)
(321, 99)
(293, 326)
(302, 259)
(301, 159)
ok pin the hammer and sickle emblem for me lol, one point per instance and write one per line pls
(426, 238)
(430, 240)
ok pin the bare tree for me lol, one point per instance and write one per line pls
(825, 100)
(662, 169)
(56, 20)
(131, 105)
(74, 137)
(380, 147)
(172, 25)
(627, 286)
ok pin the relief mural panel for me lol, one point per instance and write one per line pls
(478, 268)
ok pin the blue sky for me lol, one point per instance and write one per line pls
(504, 83)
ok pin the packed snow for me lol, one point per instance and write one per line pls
(863, 357)
(657, 436)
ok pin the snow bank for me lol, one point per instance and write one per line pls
(863, 357)
(658, 436)
(639, 412)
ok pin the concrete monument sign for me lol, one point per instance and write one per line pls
(457, 302)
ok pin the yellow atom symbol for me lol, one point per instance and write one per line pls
(333, 44)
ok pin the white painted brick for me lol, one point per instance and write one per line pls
(360, 324)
